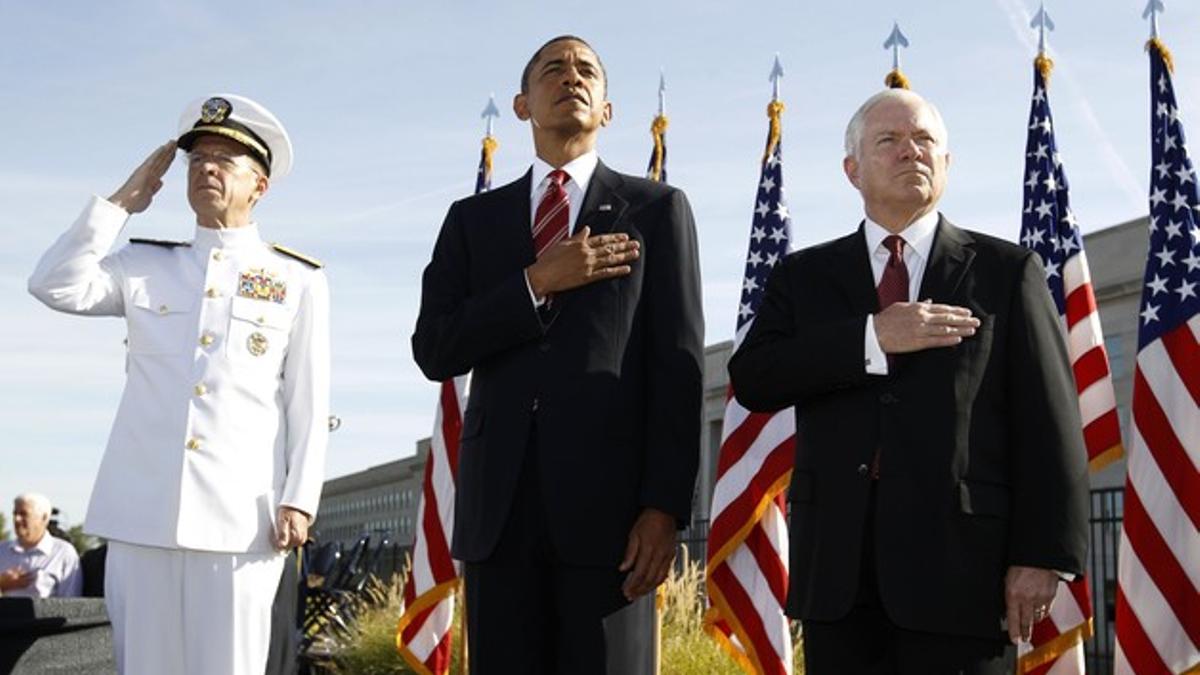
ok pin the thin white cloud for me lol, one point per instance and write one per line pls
(1122, 175)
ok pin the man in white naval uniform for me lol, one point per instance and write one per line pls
(216, 458)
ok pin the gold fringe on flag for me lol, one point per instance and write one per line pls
(1157, 45)
(460, 593)
(657, 129)
(489, 148)
(1044, 64)
(896, 80)
(1055, 648)
(774, 112)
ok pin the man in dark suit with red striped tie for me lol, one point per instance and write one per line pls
(572, 295)
(940, 487)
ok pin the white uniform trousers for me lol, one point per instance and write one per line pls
(190, 612)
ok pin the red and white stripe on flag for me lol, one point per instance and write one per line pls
(746, 572)
(1158, 594)
(748, 540)
(1089, 360)
(1158, 570)
(423, 634)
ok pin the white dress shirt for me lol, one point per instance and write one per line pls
(918, 242)
(580, 170)
(225, 413)
(56, 563)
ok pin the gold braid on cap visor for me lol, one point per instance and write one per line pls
(234, 134)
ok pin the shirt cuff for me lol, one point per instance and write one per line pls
(874, 360)
(537, 302)
(110, 209)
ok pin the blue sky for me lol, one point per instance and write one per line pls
(382, 101)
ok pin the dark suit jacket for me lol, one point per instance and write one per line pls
(982, 459)
(610, 383)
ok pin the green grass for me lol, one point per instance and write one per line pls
(686, 648)
(369, 647)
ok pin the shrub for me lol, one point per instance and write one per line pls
(368, 646)
(686, 648)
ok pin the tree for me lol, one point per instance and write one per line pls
(3, 529)
(82, 542)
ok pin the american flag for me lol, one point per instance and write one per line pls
(423, 634)
(747, 570)
(1048, 227)
(1158, 594)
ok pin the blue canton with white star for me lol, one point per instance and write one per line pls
(1048, 225)
(770, 233)
(1169, 297)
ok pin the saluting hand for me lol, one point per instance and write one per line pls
(913, 326)
(582, 259)
(137, 192)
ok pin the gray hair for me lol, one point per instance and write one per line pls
(854, 130)
(40, 502)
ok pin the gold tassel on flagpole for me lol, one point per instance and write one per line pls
(774, 112)
(896, 80)
(657, 129)
(489, 148)
(1157, 45)
(1044, 64)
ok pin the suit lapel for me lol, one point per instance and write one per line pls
(949, 259)
(852, 273)
(512, 222)
(602, 205)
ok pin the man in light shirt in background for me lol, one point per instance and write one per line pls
(35, 564)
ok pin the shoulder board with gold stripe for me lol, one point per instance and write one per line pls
(159, 242)
(311, 262)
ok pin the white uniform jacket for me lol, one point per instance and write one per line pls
(226, 406)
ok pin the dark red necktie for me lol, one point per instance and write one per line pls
(893, 287)
(550, 221)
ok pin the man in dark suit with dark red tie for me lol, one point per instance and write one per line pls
(573, 297)
(940, 487)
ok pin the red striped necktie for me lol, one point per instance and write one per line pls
(550, 221)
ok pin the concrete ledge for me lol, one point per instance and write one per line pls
(55, 636)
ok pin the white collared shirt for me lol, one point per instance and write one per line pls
(918, 242)
(56, 563)
(580, 170)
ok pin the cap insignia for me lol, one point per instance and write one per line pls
(214, 110)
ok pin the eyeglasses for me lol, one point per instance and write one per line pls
(227, 163)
